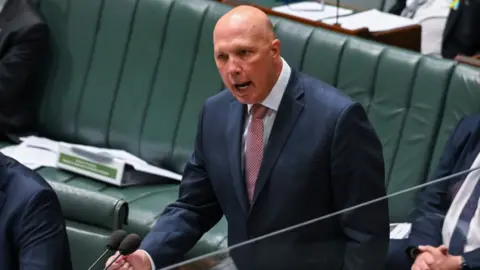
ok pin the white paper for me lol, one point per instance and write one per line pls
(372, 19)
(36, 150)
(31, 157)
(119, 154)
(32, 166)
(8, 151)
(157, 171)
(312, 10)
(400, 230)
(41, 143)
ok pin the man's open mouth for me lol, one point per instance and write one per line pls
(242, 86)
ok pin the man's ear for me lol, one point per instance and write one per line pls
(276, 48)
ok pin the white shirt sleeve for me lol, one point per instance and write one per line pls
(150, 258)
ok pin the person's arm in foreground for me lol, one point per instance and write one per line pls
(40, 235)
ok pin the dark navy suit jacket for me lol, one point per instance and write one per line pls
(32, 229)
(322, 156)
(460, 151)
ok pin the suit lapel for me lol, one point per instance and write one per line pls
(2, 200)
(12, 8)
(7, 22)
(452, 19)
(234, 138)
(287, 115)
(2, 182)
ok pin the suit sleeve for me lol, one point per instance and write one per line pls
(41, 237)
(432, 204)
(184, 222)
(472, 258)
(358, 177)
(28, 47)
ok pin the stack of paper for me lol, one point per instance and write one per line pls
(372, 19)
(312, 10)
(35, 152)
(29, 157)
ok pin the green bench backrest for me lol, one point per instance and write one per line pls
(129, 74)
(413, 101)
(134, 75)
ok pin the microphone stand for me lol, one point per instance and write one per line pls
(337, 15)
(95, 263)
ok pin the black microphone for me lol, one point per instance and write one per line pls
(113, 242)
(127, 246)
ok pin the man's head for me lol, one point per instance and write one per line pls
(247, 54)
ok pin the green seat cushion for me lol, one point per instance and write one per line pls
(145, 205)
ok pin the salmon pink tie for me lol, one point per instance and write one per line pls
(254, 151)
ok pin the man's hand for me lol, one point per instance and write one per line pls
(423, 261)
(432, 258)
(136, 261)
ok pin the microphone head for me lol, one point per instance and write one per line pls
(129, 244)
(115, 239)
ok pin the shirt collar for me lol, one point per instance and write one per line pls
(272, 101)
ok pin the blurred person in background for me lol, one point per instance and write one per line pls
(445, 232)
(24, 39)
(449, 27)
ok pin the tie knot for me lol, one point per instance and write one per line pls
(259, 111)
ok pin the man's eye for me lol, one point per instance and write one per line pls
(221, 57)
(243, 52)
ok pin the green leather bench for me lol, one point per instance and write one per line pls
(91, 218)
(134, 74)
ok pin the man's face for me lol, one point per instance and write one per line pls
(246, 60)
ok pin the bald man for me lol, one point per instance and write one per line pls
(276, 149)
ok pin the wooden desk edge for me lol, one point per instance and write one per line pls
(411, 35)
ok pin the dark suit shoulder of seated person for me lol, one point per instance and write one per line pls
(32, 228)
(436, 205)
(276, 149)
(461, 35)
(398, 7)
(24, 39)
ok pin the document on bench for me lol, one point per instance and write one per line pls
(312, 10)
(37, 151)
(373, 19)
(27, 157)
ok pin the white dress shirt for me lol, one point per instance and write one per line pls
(432, 16)
(272, 101)
(458, 203)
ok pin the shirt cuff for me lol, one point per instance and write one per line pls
(412, 252)
(150, 258)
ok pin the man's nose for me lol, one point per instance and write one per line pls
(233, 67)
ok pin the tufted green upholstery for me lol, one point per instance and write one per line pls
(413, 101)
(78, 206)
(133, 74)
